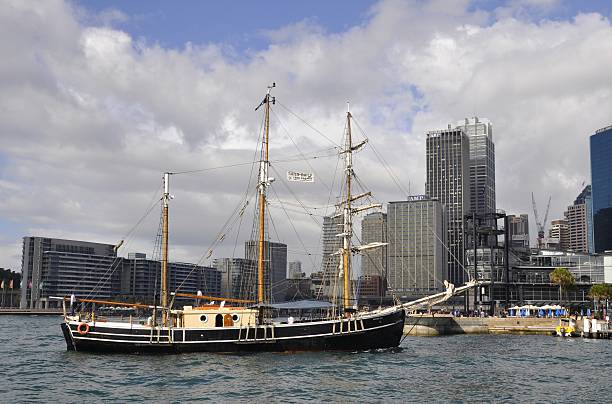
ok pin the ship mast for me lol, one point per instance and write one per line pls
(347, 213)
(347, 222)
(264, 182)
(164, 260)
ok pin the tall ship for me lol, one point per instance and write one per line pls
(230, 324)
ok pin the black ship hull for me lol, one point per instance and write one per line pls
(371, 331)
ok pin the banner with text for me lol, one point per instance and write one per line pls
(294, 176)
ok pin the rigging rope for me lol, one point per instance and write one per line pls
(307, 123)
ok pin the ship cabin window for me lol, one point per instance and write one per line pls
(219, 320)
(235, 317)
(203, 318)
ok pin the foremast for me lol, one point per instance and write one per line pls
(264, 183)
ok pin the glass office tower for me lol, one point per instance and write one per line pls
(601, 177)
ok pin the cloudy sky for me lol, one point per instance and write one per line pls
(98, 99)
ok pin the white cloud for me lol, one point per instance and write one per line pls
(90, 117)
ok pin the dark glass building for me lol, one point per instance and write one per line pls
(601, 177)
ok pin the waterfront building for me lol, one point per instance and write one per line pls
(482, 165)
(448, 162)
(58, 267)
(559, 233)
(374, 229)
(518, 231)
(579, 222)
(10, 290)
(530, 281)
(295, 270)
(601, 181)
(416, 257)
(140, 279)
(275, 272)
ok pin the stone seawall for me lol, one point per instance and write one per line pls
(433, 325)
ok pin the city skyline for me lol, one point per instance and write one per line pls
(97, 104)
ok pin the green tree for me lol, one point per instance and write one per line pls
(600, 292)
(564, 278)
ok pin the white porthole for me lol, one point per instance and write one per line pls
(203, 318)
(235, 317)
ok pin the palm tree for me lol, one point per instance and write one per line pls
(600, 292)
(562, 277)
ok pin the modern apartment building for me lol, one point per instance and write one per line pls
(58, 267)
(448, 162)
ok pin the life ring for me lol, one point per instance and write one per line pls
(81, 330)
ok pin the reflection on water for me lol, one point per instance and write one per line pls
(36, 366)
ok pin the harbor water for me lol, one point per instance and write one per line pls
(502, 368)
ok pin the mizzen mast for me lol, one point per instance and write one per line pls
(264, 183)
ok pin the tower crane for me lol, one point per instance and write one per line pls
(540, 224)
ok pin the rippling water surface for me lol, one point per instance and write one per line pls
(35, 366)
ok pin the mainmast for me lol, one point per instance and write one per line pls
(164, 260)
(264, 182)
(348, 222)
(348, 211)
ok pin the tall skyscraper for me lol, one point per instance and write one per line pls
(416, 258)
(601, 181)
(448, 162)
(580, 223)
(275, 259)
(482, 164)
(374, 229)
(518, 231)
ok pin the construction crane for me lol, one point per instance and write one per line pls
(540, 224)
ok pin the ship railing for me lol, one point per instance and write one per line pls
(247, 330)
(356, 323)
